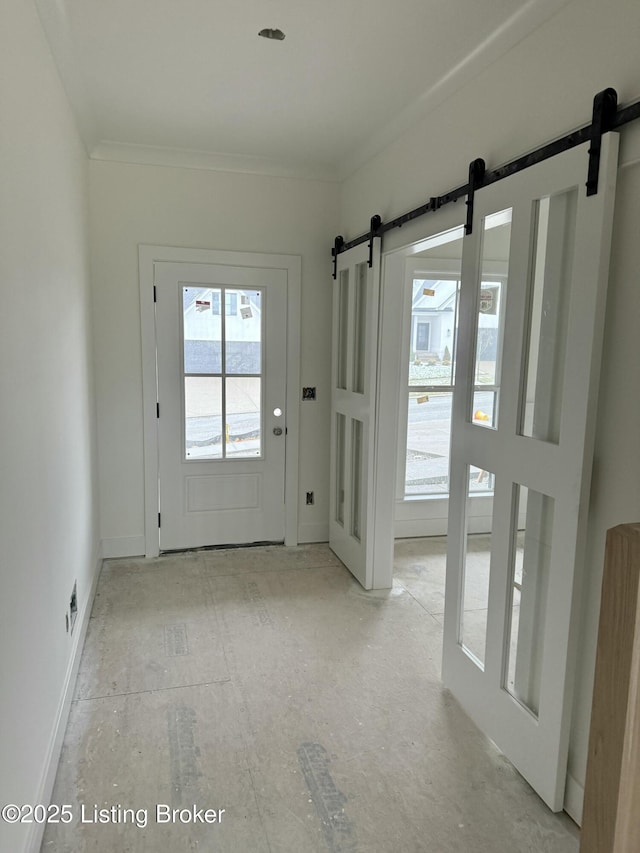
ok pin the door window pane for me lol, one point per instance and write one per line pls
(429, 404)
(203, 417)
(243, 332)
(243, 422)
(496, 239)
(202, 330)
(434, 306)
(230, 302)
(428, 442)
(532, 533)
(548, 316)
(434, 312)
(222, 366)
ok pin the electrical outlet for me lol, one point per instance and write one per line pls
(73, 607)
(310, 499)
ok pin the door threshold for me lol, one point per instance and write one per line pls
(223, 547)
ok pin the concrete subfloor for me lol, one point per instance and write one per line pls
(267, 683)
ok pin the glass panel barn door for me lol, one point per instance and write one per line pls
(360, 534)
(510, 615)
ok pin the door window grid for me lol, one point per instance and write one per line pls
(222, 367)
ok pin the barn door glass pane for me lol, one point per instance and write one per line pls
(360, 328)
(340, 462)
(496, 239)
(475, 586)
(548, 313)
(343, 328)
(356, 478)
(532, 533)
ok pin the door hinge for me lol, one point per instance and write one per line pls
(157, 410)
(159, 520)
(155, 294)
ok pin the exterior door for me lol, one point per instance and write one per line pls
(510, 614)
(361, 519)
(221, 335)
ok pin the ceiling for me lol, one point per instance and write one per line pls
(190, 80)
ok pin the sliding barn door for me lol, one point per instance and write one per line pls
(360, 531)
(535, 340)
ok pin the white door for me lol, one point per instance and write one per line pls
(221, 336)
(510, 614)
(361, 520)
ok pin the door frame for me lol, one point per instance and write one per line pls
(428, 515)
(148, 255)
(399, 248)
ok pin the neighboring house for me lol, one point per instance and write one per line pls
(434, 318)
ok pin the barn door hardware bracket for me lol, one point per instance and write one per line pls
(376, 222)
(606, 117)
(605, 107)
(477, 169)
(338, 243)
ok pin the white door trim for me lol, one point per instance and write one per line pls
(147, 256)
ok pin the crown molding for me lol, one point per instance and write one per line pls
(184, 158)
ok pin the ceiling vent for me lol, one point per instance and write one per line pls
(278, 35)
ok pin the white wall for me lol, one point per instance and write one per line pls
(48, 518)
(539, 90)
(133, 204)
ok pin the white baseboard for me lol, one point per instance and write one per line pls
(123, 546)
(45, 790)
(313, 532)
(573, 799)
(414, 528)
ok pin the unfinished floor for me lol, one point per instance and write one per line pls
(267, 683)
